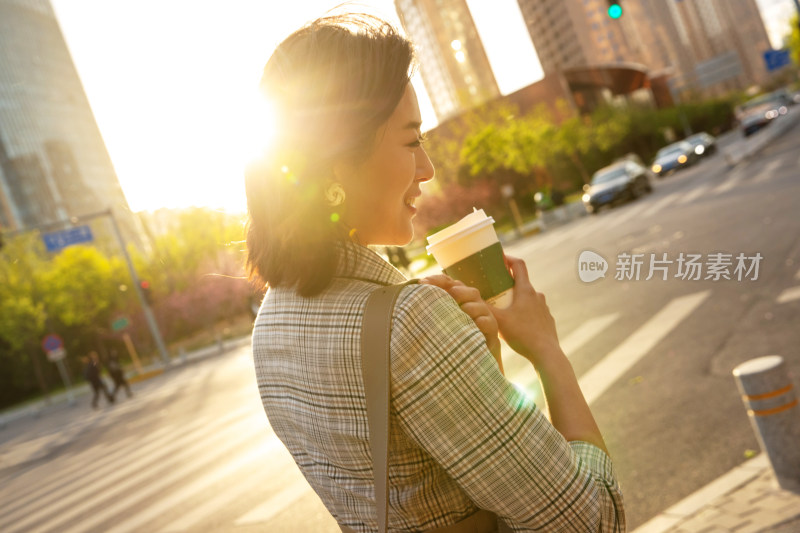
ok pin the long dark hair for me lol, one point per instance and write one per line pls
(332, 84)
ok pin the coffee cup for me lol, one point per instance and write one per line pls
(470, 252)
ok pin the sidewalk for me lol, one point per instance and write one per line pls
(745, 500)
(35, 409)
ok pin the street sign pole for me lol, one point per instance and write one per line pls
(65, 378)
(54, 347)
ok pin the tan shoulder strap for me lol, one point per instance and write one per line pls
(376, 335)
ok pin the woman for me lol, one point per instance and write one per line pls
(345, 173)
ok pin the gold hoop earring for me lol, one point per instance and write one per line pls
(334, 195)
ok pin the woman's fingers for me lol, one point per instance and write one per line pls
(463, 294)
(519, 271)
(440, 280)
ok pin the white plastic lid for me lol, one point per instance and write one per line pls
(475, 220)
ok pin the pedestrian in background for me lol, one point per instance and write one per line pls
(117, 374)
(464, 443)
(91, 372)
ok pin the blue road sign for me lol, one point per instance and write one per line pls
(58, 240)
(52, 342)
(776, 59)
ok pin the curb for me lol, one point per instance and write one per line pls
(723, 485)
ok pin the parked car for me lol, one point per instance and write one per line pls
(674, 157)
(762, 110)
(616, 183)
(704, 144)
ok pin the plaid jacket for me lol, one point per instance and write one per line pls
(462, 436)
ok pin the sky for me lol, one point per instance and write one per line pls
(173, 83)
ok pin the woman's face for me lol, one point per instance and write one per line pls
(380, 193)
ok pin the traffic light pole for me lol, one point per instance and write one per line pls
(148, 313)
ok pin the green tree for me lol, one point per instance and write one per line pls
(793, 40)
(82, 287)
(22, 314)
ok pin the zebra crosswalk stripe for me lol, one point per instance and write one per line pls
(119, 497)
(276, 504)
(234, 468)
(661, 204)
(730, 183)
(789, 295)
(695, 193)
(73, 499)
(600, 377)
(767, 172)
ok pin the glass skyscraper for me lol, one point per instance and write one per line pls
(53, 162)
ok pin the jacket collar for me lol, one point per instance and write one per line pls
(362, 263)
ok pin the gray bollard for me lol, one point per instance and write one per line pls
(772, 405)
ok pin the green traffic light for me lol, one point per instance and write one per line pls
(614, 11)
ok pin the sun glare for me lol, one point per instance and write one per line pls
(257, 128)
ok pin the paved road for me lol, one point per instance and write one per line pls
(192, 451)
(672, 416)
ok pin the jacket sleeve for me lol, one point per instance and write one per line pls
(451, 399)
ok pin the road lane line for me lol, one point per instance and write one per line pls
(277, 503)
(64, 476)
(697, 191)
(767, 172)
(238, 468)
(520, 372)
(622, 217)
(586, 332)
(123, 492)
(580, 231)
(660, 204)
(729, 183)
(602, 375)
(12, 493)
(95, 482)
(44, 493)
(789, 295)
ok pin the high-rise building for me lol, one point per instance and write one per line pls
(574, 34)
(53, 162)
(703, 46)
(453, 64)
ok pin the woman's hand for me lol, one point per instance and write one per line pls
(470, 301)
(527, 325)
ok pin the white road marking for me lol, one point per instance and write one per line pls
(767, 172)
(730, 183)
(240, 466)
(48, 495)
(789, 295)
(277, 503)
(586, 332)
(601, 376)
(696, 192)
(522, 373)
(110, 502)
(99, 484)
(622, 217)
(579, 231)
(661, 204)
